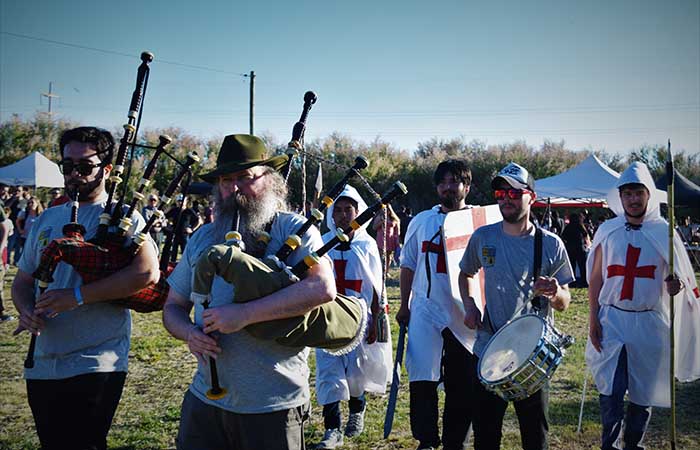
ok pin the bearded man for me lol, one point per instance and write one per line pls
(82, 354)
(268, 391)
(505, 252)
(439, 343)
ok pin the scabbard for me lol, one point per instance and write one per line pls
(395, 382)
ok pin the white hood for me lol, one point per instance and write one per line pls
(352, 193)
(637, 173)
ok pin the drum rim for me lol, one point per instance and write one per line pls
(500, 330)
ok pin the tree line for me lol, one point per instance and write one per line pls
(337, 152)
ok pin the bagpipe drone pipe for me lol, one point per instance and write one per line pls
(109, 252)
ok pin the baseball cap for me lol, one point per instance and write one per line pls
(516, 176)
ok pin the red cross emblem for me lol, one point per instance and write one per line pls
(630, 271)
(453, 243)
(341, 284)
(432, 247)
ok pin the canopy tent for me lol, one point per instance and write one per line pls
(584, 185)
(34, 170)
(686, 193)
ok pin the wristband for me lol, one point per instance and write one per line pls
(78, 296)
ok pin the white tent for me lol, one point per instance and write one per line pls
(34, 170)
(584, 184)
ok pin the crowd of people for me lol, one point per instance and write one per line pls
(506, 267)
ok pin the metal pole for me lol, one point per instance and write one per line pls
(583, 400)
(670, 175)
(252, 101)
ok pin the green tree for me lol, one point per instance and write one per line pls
(21, 137)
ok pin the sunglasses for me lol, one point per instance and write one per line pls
(84, 168)
(513, 194)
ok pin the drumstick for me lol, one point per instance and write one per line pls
(556, 271)
(534, 293)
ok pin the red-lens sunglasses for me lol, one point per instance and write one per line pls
(513, 194)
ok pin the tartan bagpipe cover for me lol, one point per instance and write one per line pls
(337, 326)
(94, 262)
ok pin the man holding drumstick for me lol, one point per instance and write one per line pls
(504, 251)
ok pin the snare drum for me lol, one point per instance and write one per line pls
(520, 358)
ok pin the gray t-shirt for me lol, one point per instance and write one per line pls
(91, 338)
(260, 376)
(508, 263)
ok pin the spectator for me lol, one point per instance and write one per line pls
(577, 242)
(5, 195)
(57, 198)
(147, 211)
(209, 213)
(188, 223)
(14, 241)
(557, 223)
(405, 216)
(685, 229)
(387, 238)
(5, 230)
(25, 221)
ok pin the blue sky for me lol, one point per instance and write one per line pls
(610, 75)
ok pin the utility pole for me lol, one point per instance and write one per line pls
(252, 100)
(50, 95)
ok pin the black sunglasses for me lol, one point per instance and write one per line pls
(84, 168)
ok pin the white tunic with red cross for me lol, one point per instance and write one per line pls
(633, 314)
(434, 304)
(358, 273)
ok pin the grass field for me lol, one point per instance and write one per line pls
(161, 369)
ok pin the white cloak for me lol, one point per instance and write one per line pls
(368, 367)
(644, 334)
(442, 308)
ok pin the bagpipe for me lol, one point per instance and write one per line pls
(337, 326)
(110, 251)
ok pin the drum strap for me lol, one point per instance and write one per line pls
(537, 301)
(538, 254)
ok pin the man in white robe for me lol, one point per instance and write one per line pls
(629, 287)
(439, 344)
(367, 368)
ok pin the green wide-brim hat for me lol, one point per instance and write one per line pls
(239, 152)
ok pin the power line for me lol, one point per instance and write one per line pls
(114, 52)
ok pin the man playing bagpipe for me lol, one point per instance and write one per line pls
(267, 391)
(80, 360)
(358, 272)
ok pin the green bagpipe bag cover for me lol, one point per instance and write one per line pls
(337, 326)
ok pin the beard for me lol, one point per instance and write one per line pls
(254, 213)
(514, 216)
(85, 189)
(451, 199)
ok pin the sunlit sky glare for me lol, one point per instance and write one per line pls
(610, 75)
